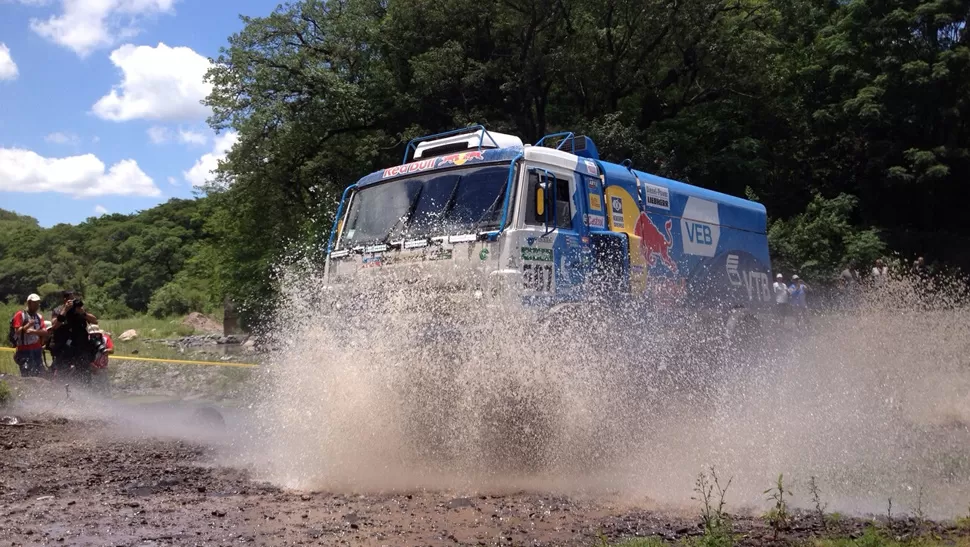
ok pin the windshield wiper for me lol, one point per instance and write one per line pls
(490, 212)
(406, 217)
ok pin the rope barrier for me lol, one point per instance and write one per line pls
(175, 361)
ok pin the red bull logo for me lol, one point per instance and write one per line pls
(653, 243)
(459, 159)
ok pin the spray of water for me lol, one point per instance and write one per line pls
(413, 385)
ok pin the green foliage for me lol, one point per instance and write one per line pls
(147, 327)
(175, 299)
(778, 517)
(847, 120)
(117, 262)
(873, 537)
(714, 518)
(819, 242)
(641, 542)
(5, 394)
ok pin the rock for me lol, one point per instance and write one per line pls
(201, 323)
(218, 513)
(128, 335)
(459, 502)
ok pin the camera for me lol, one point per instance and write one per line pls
(76, 303)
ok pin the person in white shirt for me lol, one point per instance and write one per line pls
(781, 298)
(879, 272)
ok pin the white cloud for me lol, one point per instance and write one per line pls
(86, 25)
(173, 181)
(188, 136)
(59, 137)
(202, 171)
(158, 83)
(8, 68)
(79, 176)
(159, 135)
(99, 209)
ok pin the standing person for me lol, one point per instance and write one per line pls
(798, 302)
(782, 307)
(920, 270)
(71, 346)
(29, 333)
(103, 348)
(879, 273)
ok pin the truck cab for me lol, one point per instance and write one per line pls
(480, 216)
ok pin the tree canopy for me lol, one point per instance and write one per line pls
(856, 108)
(848, 119)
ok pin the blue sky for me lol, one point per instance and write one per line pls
(99, 102)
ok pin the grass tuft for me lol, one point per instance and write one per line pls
(641, 542)
(5, 394)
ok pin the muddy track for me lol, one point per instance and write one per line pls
(78, 483)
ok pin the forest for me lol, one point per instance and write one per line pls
(849, 120)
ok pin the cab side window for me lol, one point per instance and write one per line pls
(564, 203)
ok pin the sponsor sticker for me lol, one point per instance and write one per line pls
(483, 254)
(440, 254)
(463, 238)
(372, 262)
(591, 184)
(700, 228)
(594, 202)
(432, 163)
(616, 208)
(731, 264)
(537, 254)
(658, 196)
(590, 167)
(596, 221)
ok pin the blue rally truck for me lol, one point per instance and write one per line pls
(551, 224)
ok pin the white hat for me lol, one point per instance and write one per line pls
(779, 276)
(33, 298)
(94, 329)
(795, 278)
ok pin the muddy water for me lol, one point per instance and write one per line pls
(409, 391)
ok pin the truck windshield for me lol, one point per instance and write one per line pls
(457, 201)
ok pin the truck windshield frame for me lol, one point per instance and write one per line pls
(447, 202)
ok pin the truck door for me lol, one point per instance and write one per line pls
(551, 249)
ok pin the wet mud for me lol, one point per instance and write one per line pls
(78, 482)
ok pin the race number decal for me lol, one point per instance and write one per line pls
(537, 277)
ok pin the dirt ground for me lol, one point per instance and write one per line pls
(78, 482)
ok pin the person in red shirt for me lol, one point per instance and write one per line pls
(99, 368)
(30, 335)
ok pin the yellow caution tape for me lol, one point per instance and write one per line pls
(175, 361)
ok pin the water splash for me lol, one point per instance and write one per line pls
(419, 388)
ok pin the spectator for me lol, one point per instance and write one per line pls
(920, 269)
(798, 303)
(30, 334)
(782, 306)
(879, 273)
(71, 346)
(849, 276)
(104, 347)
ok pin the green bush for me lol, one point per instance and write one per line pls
(174, 299)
